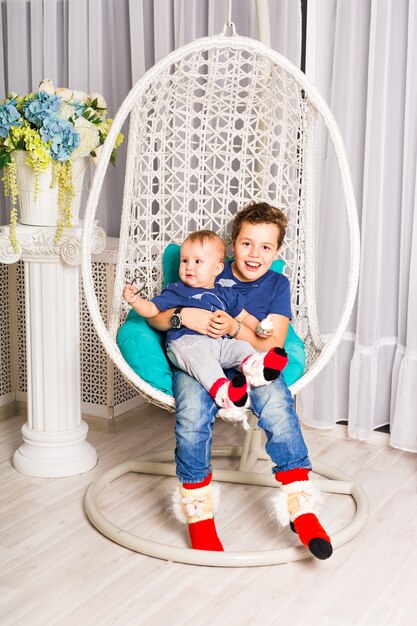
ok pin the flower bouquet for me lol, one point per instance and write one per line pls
(52, 129)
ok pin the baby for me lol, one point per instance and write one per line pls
(201, 261)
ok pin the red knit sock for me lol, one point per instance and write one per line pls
(312, 534)
(203, 535)
(261, 368)
(236, 390)
(290, 476)
(274, 362)
(307, 526)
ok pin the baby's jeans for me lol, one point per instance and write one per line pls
(195, 417)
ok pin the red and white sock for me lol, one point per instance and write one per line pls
(261, 368)
(193, 504)
(297, 503)
(231, 395)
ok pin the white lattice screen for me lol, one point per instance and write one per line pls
(21, 329)
(97, 389)
(6, 388)
(105, 393)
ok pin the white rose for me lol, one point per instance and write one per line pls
(64, 93)
(66, 110)
(46, 85)
(81, 96)
(101, 103)
(89, 138)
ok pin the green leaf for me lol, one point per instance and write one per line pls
(113, 157)
(5, 159)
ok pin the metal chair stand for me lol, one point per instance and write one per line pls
(161, 464)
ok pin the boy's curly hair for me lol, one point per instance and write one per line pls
(260, 213)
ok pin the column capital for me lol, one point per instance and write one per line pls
(37, 243)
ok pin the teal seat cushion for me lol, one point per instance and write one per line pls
(143, 347)
(294, 347)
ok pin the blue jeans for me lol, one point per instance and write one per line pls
(196, 413)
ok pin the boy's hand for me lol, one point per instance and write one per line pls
(130, 293)
(264, 334)
(265, 328)
(221, 324)
(196, 319)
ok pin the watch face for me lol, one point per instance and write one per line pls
(176, 321)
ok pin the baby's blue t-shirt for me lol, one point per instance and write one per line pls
(269, 294)
(218, 298)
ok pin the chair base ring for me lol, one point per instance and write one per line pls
(157, 464)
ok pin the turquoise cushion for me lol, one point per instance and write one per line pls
(171, 263)
(296, 357)
(143, 347)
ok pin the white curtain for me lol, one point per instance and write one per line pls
(367, 71)
(366, 68)
(107, 45)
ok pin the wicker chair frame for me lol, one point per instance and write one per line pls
(218, 122)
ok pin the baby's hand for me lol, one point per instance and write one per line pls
(130, 293)
(221, 324)
(265, 328)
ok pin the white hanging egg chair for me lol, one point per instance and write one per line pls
(216, 123)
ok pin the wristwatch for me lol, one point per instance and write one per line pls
(176, 320)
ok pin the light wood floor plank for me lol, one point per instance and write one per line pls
(56, 569)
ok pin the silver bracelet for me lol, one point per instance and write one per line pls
(237, 331)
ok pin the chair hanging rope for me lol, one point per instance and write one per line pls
(229, 12)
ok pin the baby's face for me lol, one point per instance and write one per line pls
(199, 264)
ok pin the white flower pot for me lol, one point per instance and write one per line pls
(44, 210)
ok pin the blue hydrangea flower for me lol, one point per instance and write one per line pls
(9, 116)
(65, 138)
(53, 126)
(41, 106)
(78, 107)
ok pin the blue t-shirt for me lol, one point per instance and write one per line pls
(218, 298)
(269, 294)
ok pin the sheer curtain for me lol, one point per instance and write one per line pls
(366, 64)
(107, 45)
(365, 55)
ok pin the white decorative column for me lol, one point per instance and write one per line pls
(54, 437)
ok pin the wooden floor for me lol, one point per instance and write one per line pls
(55, 568)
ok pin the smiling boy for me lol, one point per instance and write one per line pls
(258, 231)
(202, 356)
